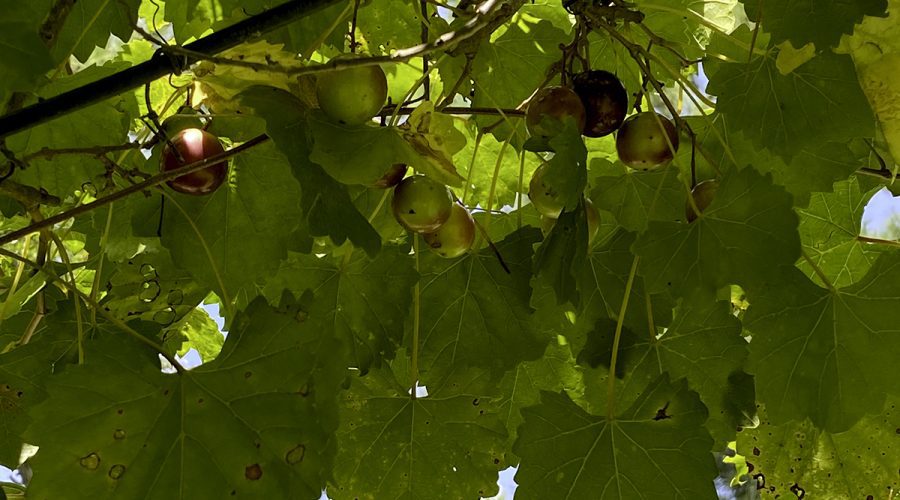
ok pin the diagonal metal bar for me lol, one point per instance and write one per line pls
(158, 66)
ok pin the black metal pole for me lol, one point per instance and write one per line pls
(158, 66)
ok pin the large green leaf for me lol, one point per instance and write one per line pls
(829, 231)
(257, 421)
(25, 57)
(90, 25)
(475, 313)
(824, 354)
(365, 301)
(657, 448)
(785, 113)
(23, 374)
(636, 198)
(244, 227)
(703, 344)
(327, 204)
(743, 236)
(799, 458)
(812, 21)
(449, 444)
(509, 67)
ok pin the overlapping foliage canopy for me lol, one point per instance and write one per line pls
(610, 370)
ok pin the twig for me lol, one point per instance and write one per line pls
(153, 181)
(353, 27)
(28, 196)
(46, 152)
(456, 110)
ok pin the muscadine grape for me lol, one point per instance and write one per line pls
(455, 236)
(548, 109)
(605, 101)
(641, 143)
(352, 95)
(421, 204)
(544, 198)
(194, 145)
(703, 194)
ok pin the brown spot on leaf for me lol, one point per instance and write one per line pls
(253, 472)
(756, 451)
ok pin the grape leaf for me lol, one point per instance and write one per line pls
(812, 21)
(829, 231)
(566, 172)
(389, 25)
(562, 255)
(811, 170)
(485, 156)
(364, 300)
(746, 232)
(785, 113)
(91, 24)
(636, 198)
(23, 373)
(830, 371)
(799, 458)
(256, 421)
(657, 448)
(449, 444)
(244, 226)
(875, 47)
(198, 331)
(355, 154)
(509, 67)
(150, 287)
(327, 204)
(474, 313)
(703, 344)
(555, 371)
(25, 57)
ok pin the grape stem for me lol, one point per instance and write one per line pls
(611, 386)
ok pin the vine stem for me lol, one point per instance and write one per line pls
(878, 241)
(134, 188)
(93, 304)
(15, 283)
(417, 299)
(611, 387)
(79, 321)
(496, 175)
(818, 271)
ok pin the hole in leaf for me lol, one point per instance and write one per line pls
(117, 471)
(90, 461)
(295, 455)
